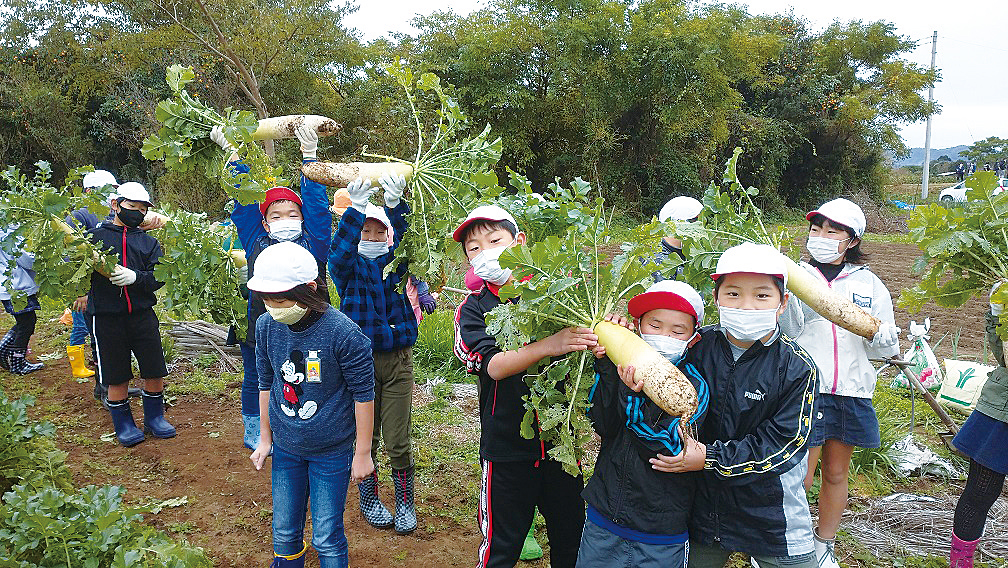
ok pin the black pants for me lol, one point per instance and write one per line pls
(983, 487)
(509, 495)
(24, 322)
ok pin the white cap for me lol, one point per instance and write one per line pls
(681, 208)
(484, 213)
(669, 295)
(98, 178)
(843, 211)
(133, 191)
(372, 211)
(282, 267)
(752, 258)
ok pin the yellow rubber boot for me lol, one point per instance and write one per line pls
(78, 363)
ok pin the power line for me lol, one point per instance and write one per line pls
(974, 44)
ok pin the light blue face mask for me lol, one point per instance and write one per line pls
(372, 249)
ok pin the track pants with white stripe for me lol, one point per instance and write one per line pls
(509, 495)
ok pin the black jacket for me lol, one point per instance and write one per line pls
(751, 498)
(501, 404)
(142, 252)
(624, 488)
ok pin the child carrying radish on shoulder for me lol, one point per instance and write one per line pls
(316, 402)
(517, 473)
(638, 516)
(358, 254)
(753, 443)
(845, 418)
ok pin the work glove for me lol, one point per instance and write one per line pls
(428, 303)
(242, 275)
(217, 135)
(309, 141)
(360, 191)
(996, 307)
(393, 186)
(887, 335)
(122, 276)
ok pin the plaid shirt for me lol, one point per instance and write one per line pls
(383, 314)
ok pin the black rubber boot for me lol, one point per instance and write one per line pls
(154, 420)
(371, 507)
(125, 427)
(405, 512)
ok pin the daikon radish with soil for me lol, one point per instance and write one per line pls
(830, 305)
(335, 174)
(279, 127)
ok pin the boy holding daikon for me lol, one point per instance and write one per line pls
(637, 515)
(753, 443)
(517, 473)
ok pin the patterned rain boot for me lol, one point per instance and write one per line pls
(125, 427)
(19, 363)
(292, 561)
(5, 349)
(405, 512)
(78, 362)
(371, 507)
(961, 554)
(251, 438)
(154, 420)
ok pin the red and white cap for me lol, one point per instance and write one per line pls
(98, 178)
(751, 258)
(282, 267)
(278, 194)
(669, 295)
(680, 208)
(483, 213)
(133, 191)
(844, 212)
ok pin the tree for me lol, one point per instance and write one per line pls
(991, 149)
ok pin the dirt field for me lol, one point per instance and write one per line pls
(228, 503)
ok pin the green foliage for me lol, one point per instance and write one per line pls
(436, 341)
(27, 453)
(991, 149)
(964, 248)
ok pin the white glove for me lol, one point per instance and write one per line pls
(217, 135)
(393, 186)
(887, 335)
(243, 275)
(996, 309)
(360, 191)
(122, 276)
(309, 141)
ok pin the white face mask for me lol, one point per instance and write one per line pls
(487, 266)
(824, 250)
(748, 325)
(372, 249)
(292, 314)
(285, 229)
(671, 347)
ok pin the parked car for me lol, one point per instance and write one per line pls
(957, 192)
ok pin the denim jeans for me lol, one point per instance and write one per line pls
(250, 382)
(79, 334)
(324, 480)
(701, 556)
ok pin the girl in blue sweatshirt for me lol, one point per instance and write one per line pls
(316, 401)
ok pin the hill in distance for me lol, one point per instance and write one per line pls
(916, 157)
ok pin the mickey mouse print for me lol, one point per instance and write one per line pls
(294, 374)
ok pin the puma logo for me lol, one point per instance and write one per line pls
(758, 395)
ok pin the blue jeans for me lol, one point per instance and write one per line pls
(325, 479)
(79, 334)
(250, 383)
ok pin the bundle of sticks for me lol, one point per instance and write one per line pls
(195, 338)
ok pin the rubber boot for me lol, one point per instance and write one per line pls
(154, 420)
(371, 507)
(961, 554)
(4, 349)
(531, 549)
(292, 561)
(824, 553)
(78, 362)
(19, 364)
(405, 512)
(251, 437)
(125, 427)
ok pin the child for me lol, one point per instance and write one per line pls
(636, 515)
(753, 444)
(845, 418)
(359, 253)
(282, 216)
(14, 345)
(316, 400)
(983, 438)
(682, 208)
(517, 474)
(123, 321)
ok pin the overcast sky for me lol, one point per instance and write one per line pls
(972, 54)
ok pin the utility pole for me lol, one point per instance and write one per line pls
(927, 138)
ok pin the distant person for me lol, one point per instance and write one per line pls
(961, 171)
(987, 167)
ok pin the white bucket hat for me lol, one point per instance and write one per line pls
(282, 267)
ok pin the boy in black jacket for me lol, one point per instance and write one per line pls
(753, 444)
(517, 474)
(121, 308)
(637, 516)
